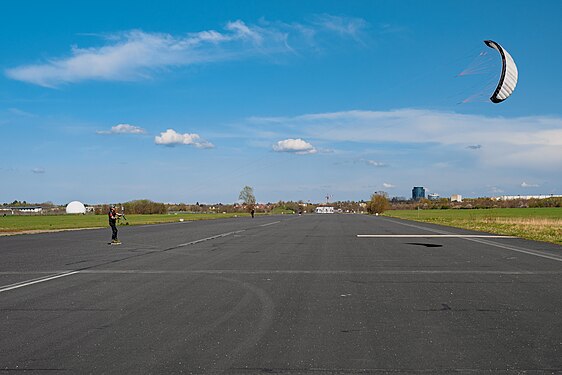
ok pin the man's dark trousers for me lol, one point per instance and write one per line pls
(114, 230)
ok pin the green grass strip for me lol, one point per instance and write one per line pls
(539, 224)
(22, 223)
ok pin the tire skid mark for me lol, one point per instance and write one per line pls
(265, 320)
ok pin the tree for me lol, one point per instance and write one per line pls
(378, 204)
(247, 196)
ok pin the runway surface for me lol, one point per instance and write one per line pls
(311, 294)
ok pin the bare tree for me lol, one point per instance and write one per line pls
(247, 196)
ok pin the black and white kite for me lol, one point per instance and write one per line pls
(508, 79)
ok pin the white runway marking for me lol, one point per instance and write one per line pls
(57, 276)
(35, 281)
(319, 272)
(280, 272)
(431, 236)
(518, 249)
(208, 238)
(32, 273)
(265, 225)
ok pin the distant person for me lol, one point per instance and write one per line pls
(113, 215)
(253, 213)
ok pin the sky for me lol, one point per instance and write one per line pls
(190, 101)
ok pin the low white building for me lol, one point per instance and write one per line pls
(513, 197)
(24, 210)
(456, 198)
(324, 210)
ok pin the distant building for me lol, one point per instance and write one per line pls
(512, 197)
(433, 196)
(418, 192)
(24, 210)
(324, 210)
(456, 198)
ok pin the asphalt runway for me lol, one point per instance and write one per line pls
(311, 294)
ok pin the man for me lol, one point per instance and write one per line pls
(113, 215)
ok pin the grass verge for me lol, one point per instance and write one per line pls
(539, 224)
(24, 223)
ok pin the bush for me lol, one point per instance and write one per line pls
(378, 204)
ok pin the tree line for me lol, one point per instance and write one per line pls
(475, 203)
(142, 206)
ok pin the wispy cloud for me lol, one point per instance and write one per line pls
(474, 147)
(136, 55)
(533, 141)
(172, 138)
(19, 112)
(375, 163)
(497, 190)
(38, 170)
(387, 28)
(296, 146)
(11, 169)
(346, 26)
(123, 129)
(526, 185)
(387, 185)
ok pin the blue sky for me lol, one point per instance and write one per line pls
(190, 101)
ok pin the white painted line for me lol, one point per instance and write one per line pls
(265, 225)
(208, 238)
(32, 272)
(319, 272)
(431, 236)
(57, 276)
(518, 249)
(35, 281)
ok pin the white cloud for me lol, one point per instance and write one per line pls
(387, 185)
(348, 26)
(123, 129)
(374, 163)
(38, 170)
(526, 185)
(172, 138)
(297, 146)
(136, 55)
(533, 141)
(244, 32)
(495, 189)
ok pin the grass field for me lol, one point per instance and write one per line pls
(540, 224)
(24, 223)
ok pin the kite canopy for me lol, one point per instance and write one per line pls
(508, 79)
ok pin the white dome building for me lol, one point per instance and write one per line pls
(75, 207)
